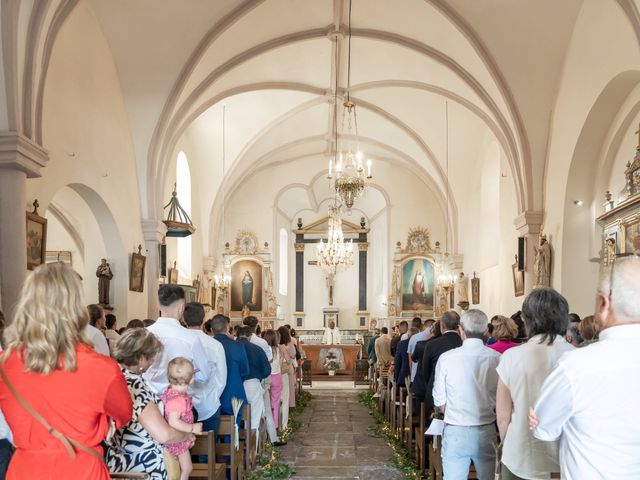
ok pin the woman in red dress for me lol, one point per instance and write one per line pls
(52, 366)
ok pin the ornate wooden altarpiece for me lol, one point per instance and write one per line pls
(621, 220)
(246, 256)
(414, 290)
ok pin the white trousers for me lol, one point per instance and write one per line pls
(268, 417)
(253, 390)
(284, 401)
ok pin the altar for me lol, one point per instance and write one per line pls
(346, 355)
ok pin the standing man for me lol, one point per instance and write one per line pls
(371, 351)
(237, 365)
(252, 322)
(383, 349)
(403, 327)
(176, 340)
(450, 339)
(259, 369)
(421, 336)
(465, 389)
(332, 335)
(589, 401)
(206, 396)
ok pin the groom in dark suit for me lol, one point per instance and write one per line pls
(449, 340)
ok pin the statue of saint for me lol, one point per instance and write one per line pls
(104, 274)
(245, 312)
(462, 288)
(542, 264)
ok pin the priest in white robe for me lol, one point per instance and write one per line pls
(331, 335)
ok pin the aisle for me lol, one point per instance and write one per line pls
(334, 442)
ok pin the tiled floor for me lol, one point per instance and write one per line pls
(334, 442)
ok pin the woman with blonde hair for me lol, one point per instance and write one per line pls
(57, 393)
(504, 331)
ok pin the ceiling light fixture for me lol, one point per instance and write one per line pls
(347, 168)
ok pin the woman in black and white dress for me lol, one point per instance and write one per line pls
(137, 447)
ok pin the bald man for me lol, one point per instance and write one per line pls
(589, 402)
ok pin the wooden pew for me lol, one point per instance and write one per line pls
(205, 444)
(225, 448)
(421, 444)
(248, 438)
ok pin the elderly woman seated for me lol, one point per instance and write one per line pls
(137, 446)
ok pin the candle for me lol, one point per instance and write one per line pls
(330, 167)
(369, 168)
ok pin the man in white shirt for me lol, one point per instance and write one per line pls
(177, 340)
(589, 402)
(465, 389)
(206, 396)
(94, 329)
(332, 335)
(252, 322)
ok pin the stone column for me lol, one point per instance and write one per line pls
(20, 158)
(362, 273)
(528, 225)
(154, 231)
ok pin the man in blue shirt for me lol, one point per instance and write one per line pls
(237, 365)
(259, 369)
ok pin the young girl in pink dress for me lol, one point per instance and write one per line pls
(178, 411)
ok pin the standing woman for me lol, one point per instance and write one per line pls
(522, 371)
(273, 340)
(50, 363)
(288, 379)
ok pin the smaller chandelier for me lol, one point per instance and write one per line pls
(350, 173)
(335, 255)
(222, 281)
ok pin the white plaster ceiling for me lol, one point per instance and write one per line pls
(272, 64)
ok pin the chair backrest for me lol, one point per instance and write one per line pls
(225, 447)
(205, 444)
(129, 475)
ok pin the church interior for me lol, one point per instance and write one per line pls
(320, 163)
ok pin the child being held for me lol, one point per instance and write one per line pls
(178, 411)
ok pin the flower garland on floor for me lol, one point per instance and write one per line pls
(401, 458)
(270, 463)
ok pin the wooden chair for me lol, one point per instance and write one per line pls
(435, 458)
(409, 424)
(205, 444)
(400, 412)
(248, 438)
(262, 435)
(225, 448)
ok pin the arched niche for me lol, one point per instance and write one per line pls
(82, 222)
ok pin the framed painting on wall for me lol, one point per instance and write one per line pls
(136, 275)
(632, 236)
(36, 238)
(518, 279)
(417, 284)
(246, 285)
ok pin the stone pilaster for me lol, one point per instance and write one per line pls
(528, 225)
(20, 158)
(154, 232)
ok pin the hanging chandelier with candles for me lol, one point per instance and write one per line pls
(335, 255)
(347, 169)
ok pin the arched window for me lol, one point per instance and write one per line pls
(283, 263)
(183, 181)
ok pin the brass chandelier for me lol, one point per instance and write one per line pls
(347, 170)
(335, 255)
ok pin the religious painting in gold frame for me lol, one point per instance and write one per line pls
(631, 230)
(36, 240)
(246, 285)
(475, 290)
(136, 275)
(418, 276)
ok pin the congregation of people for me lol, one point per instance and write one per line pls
(557, 393)
(82, 400)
